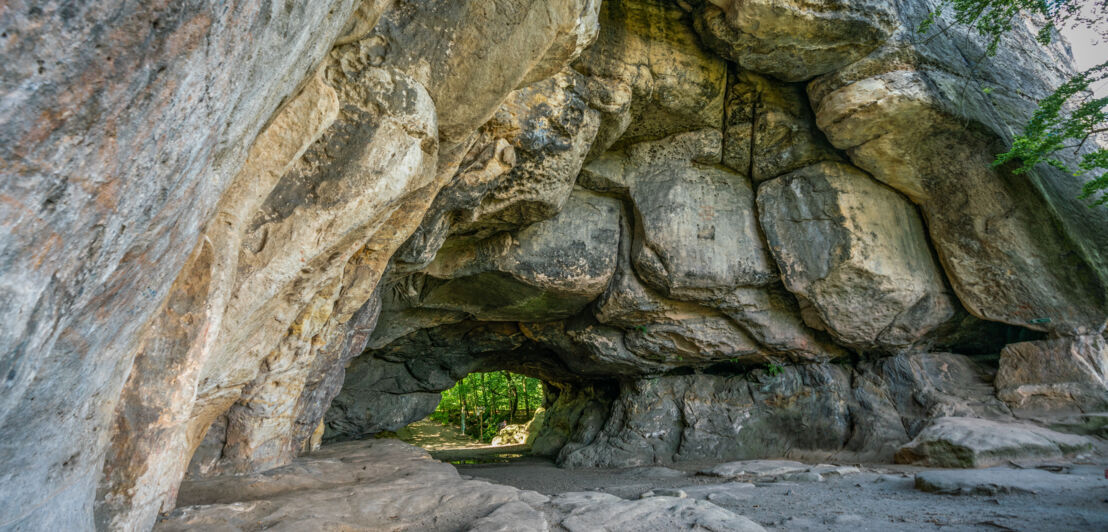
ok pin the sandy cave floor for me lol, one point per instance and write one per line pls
(387, 484)
(879, 497)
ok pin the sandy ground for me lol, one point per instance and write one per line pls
(434, 436)
(880, 498)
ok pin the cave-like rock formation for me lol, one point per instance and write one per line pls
(717, 229)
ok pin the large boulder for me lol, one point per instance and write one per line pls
(696, 231)
(651, 73)
(548, 270)
(795, 40)
(857, 252)
(698, 235)
(770, 129)
(519, 170)
(490, 50)
(707, 417)
(969, 442)
(665, 333)
(1017, 248)
(1057, 374)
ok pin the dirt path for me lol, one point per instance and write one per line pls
(434, 436)
(448, 444)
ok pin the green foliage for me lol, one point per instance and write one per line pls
(774, 369)
(1069, 117)
(994, 18)
(487, 399)
(1053, 129)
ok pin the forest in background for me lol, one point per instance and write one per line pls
(478, 403)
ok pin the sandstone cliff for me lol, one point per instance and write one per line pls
(719, 229)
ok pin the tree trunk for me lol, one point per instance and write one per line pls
(513, 398)
(462, 403)
(526, 399)
(485, 413)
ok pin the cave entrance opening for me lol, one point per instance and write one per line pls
(487, 416)
(491, 407)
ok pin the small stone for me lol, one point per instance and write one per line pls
(828, 471)
(806, 476)
(759, 469)
(670, 492)
(997, 481)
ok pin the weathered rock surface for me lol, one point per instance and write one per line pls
(388, 485)
(371, 485)
(490, 51)
(381, 140)
(994, 481)
(305, 234)
(814, 411)
(777, 470)
(772, 316)
(696, 234)
(970, 442)
(651, 73)
(117, 141)
(548, 270)
(857, 252)
(276, 223)
(600, 511)
(1063, 373)
(757, 469)
(1016, 248)
(923, 386)
(770, 129)
(699, 417)
(795, 41)
(519, 170)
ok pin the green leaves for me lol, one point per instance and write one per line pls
(486, 399)
(994, 18)
(1069, 118)
(1065, 120)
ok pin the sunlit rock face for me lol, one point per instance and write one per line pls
(794, 40)
(235, 228)
(843, 239)
(123, 126)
